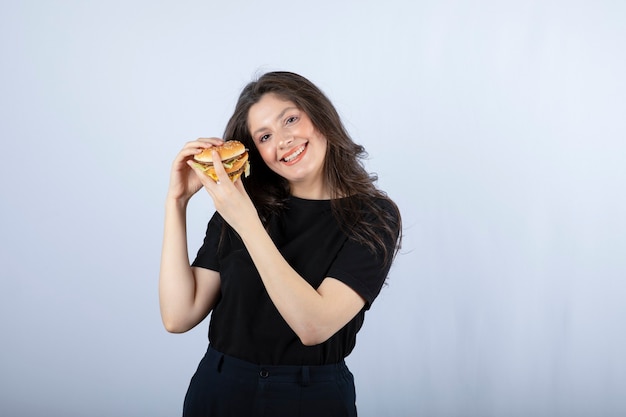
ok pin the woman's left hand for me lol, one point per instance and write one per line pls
(230, 198)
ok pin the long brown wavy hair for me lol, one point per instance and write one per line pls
(344, 172)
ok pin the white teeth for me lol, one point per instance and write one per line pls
(294, 155)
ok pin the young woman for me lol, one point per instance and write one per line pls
(293, 257)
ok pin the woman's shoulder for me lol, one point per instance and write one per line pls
(374, 204)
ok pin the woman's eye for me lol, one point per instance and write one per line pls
(291, 119)
(264, 138)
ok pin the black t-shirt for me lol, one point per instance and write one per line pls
(246, 324)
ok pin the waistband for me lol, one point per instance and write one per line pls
(303, 374)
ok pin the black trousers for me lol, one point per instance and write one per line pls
(226, 386)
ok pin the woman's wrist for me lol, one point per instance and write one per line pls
(176, 202)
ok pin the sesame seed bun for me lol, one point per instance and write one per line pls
(228, 150)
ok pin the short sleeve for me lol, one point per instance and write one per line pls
(361, 269)
(207, 256)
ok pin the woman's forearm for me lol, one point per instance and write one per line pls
(311, 313)
(181, 306)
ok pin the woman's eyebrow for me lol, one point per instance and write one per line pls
(280, 116)
(282, 113)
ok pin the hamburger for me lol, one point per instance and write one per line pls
(234, 156)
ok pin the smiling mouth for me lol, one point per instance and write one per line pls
(293, 155)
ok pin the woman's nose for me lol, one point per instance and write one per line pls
(285, 140)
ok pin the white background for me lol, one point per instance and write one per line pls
(508, 126)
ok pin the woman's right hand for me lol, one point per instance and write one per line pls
(184, 183)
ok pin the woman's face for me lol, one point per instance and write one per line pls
(289, 144)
